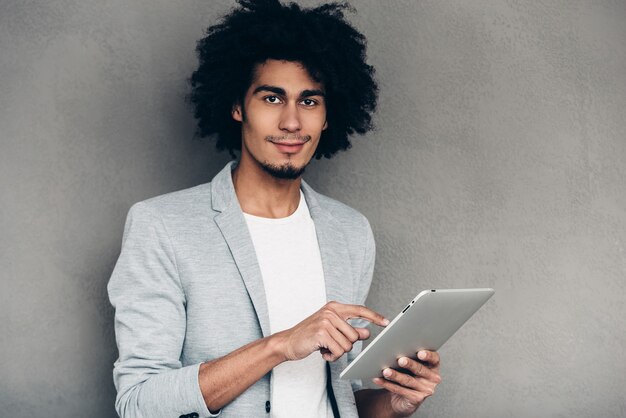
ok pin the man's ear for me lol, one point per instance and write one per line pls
(237, 113)
(325, 125)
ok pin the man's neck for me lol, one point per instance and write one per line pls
(261, 194)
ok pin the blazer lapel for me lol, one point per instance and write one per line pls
(333, 249)
(339, 283)
(331, 241)
(232, 224)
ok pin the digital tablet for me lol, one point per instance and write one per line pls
(427, 322)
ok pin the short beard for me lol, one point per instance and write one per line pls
(283, 172)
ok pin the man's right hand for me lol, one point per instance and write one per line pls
(327, 331)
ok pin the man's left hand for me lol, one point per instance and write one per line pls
(410, 387)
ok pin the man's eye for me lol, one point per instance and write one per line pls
(309, 102)
(272, 99)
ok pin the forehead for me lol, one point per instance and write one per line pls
(289, 75)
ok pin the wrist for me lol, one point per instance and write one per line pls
(275, 345)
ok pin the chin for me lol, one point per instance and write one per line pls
(286, 171)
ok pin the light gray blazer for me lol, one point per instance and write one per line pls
(187, 288)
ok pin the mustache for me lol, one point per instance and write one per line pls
(288, 138)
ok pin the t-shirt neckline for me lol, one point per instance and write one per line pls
(300, 211)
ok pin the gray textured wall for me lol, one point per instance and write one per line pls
(498, 161)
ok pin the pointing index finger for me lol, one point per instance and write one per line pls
(359, 311)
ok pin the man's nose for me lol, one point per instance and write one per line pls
(290, 118)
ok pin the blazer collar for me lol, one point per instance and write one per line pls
(232, 224)
(223, 192)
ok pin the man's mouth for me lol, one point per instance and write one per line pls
(289, 141)
(288, 145)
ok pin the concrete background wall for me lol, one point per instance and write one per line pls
(498, 161)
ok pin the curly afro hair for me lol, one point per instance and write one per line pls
(330, 48)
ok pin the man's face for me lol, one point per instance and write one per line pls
(283, 116)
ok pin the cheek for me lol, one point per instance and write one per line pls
(322, 120)
(317, 121)
(263, 123)
(254, 128)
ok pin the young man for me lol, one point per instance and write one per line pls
(222, 291)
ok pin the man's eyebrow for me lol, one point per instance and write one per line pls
(281, 92)
(271, 89)
(309, 93)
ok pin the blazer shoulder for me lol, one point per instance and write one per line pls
(345, 214)
(179, 203)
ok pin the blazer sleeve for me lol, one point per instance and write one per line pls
(362, 288)
(150, 322)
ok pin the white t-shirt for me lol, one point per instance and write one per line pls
(291, 266)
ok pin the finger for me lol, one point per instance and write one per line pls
(364, 333)
(408, 381)
(346, 329)
(331, 345)
(415, 397)
(430, 357)
(340, 339)
(402, 379)
(418, 369)
(346, 311)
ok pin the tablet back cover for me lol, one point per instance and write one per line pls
(429, 320)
